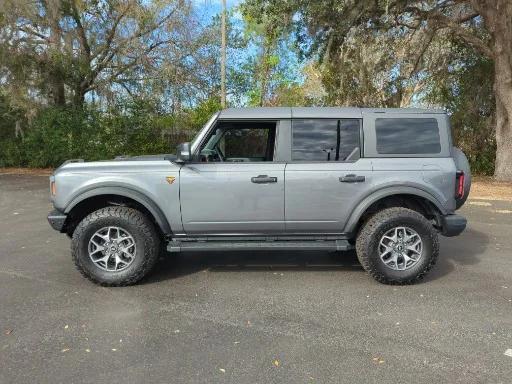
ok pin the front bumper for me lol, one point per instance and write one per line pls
(452, 225)
(57, 220)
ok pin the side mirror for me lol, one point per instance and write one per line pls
(183, 153)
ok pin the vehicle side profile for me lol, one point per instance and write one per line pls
(384, 182)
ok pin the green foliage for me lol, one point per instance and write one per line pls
(135, 128)
(467, 92)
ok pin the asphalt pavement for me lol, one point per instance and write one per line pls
(265, 317)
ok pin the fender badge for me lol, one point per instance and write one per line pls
(170, 179)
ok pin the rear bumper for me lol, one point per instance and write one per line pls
(452, 225)
(57, 219)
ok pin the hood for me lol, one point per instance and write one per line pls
(163, 156)
(145, 163)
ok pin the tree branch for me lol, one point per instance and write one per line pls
(455, 25)
(81, 31)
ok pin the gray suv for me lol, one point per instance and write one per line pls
(384, 182)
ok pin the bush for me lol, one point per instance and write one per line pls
(135, 128)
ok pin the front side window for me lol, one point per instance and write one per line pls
(240, 142)
(407, 136)
(325, 140)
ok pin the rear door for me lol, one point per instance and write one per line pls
(326, 177)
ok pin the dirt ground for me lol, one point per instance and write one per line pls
(486, 188)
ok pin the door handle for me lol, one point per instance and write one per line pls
(263, 179)
(352, 179)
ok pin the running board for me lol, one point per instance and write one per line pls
(253, 245)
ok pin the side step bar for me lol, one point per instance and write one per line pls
(253, 245)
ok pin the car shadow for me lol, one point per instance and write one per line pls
(175, 265)
(462, 250)
(465, 249)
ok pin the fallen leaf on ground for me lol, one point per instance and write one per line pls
(481, 203)
(276, 363)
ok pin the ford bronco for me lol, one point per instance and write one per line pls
(384, 182)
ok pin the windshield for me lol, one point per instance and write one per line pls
(199, 136)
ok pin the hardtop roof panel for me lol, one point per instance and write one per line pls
(325, 113)
(411, 111)
(256, 113)
(274, 113)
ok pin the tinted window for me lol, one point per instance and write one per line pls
(240, 142)
(325, 140)
(245, 143)
(407, 136)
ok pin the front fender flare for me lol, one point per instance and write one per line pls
(139, 197)
(375, 196)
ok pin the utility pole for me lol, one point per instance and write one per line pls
(223, 58)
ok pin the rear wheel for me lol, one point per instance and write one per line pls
(115, 246)
(397, 246)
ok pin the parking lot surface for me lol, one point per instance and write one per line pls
(266, 317)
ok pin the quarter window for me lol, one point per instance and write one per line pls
(407, 136)
(325, 140)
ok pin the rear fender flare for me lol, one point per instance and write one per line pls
(359, 210)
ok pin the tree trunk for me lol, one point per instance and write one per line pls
(503, 165)
(79, 96)
(502, 40)
(56, 79)
(57, 89)
(223, 58)
(264, 75)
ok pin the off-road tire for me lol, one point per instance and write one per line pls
(368, 238)
(146, 238)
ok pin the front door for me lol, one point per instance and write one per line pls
(234, 187)
(326, 176)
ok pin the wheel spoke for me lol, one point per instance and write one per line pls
(387, 250)
(391, 260)
(414, 247)
(98, 249)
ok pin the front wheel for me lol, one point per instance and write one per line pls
(397, 246)
(115, 246)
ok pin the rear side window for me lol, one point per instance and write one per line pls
(325, 140)
(407, 136)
